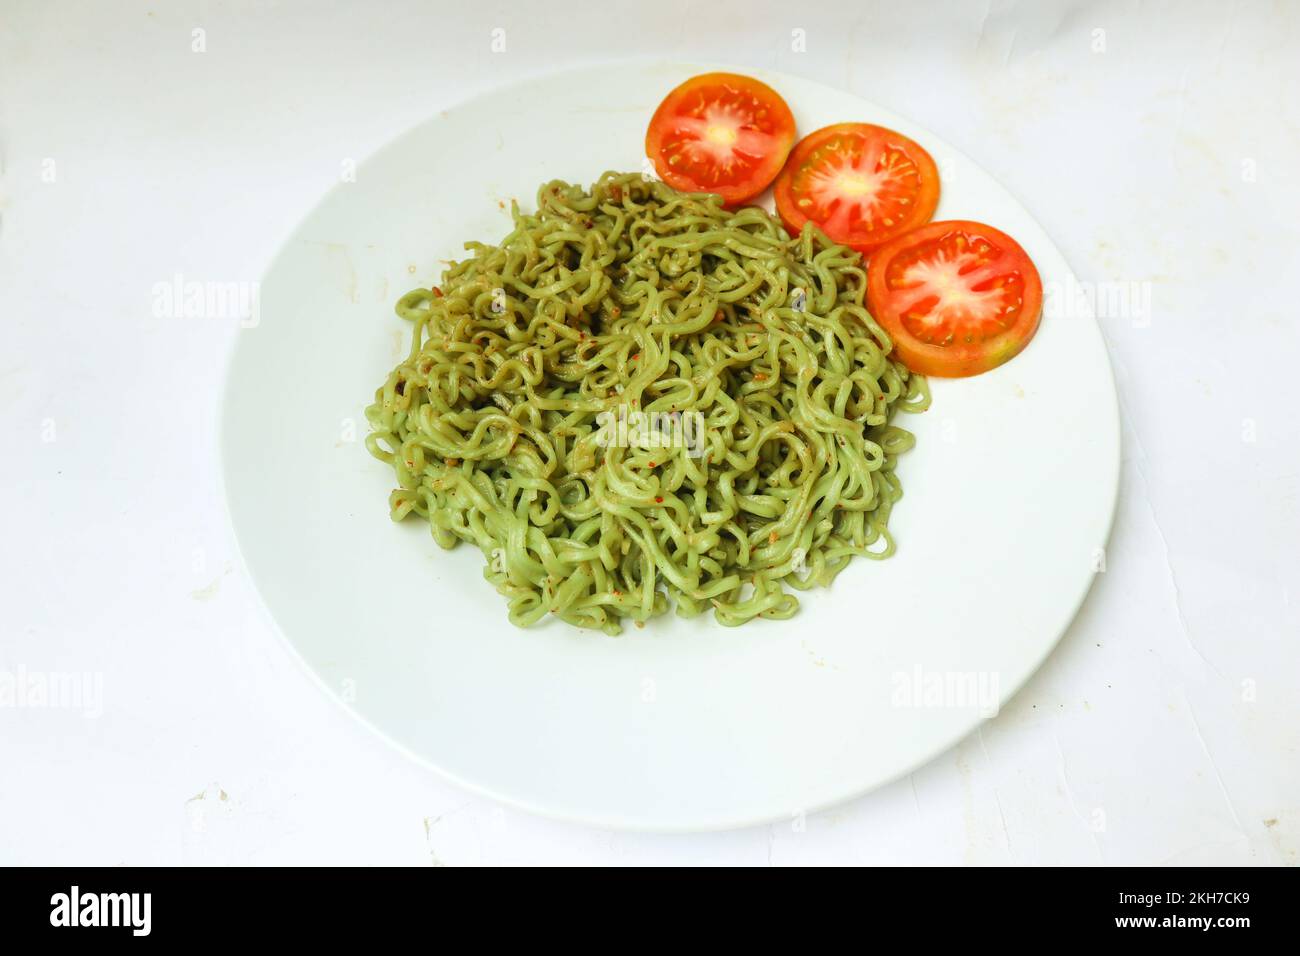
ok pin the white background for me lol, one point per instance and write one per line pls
(1157, 144)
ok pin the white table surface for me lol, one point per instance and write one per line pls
(1157, 143)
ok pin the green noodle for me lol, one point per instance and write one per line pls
(520, 419)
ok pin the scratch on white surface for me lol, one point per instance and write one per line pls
(1191, 712)
(1281, 839)
(208, 590)
(1223, 35)
(967, 808)
(1173, 580)
(997, 800)
(206, 809)
(428, 840)
(916, 800)
(1069, 795)
(1182, 100)
(212, 830)
(472, 823)
(1155, 521)
(212, 792)
(984, 22)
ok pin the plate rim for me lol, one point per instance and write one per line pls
(1113, 447)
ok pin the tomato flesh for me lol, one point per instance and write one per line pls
(721, 133)
(958, 298)
(860, 184)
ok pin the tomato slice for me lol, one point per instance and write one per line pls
(958, 298)
(860, 184)
(721, 133)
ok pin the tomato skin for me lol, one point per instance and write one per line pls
(756, 121)
(907, 198)
(999, 336)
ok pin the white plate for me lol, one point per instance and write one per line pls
(1008, 498)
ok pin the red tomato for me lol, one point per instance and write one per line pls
(958, 298)
(862, 185)
(721, 133)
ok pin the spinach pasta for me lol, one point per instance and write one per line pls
(640, 399)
